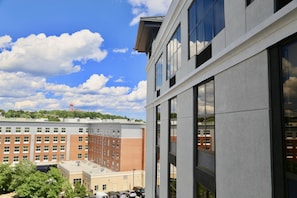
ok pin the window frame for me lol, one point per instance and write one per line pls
(277, 126)
(201, 177)
(197, 29)
(171, 54)
(159, 74)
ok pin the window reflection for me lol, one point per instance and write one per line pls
(158, 73)
(206, 20)
(173, 126)
(204, 192)
(174, 54)
(289, 76)
(158, 125)
(205, 119)
(172, 181)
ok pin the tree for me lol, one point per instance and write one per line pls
(22, 170)
(5, 178)
(33, 186)
(78, 191)
(41, 184)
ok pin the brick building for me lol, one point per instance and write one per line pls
(117, 145)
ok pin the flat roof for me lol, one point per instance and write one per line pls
(147, 31)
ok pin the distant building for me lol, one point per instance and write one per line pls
(98, 178)
(44, 143)
(221, 99)
(115, 144)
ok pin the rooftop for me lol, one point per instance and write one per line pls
(84, 166)
(147, 31)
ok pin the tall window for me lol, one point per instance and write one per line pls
(172, 147)
(205, 116)
(283, 67)
(173, 126)
(204, 138)
(172, 181)
(158, 75)
(289, 84)
(174, 56)
(158, 130)
(206, 20)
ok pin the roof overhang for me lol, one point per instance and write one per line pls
(147, 31)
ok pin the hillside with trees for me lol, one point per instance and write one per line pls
(54, 115)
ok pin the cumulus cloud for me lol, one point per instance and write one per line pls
(5, 41)
(120, 50)
(142, 8)
(19, 84)
(50, 55)
(119, 80)
(27, 92)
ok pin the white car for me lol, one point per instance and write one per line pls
(132, 193)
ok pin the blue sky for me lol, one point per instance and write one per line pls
(57, 52)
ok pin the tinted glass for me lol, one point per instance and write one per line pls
(173, 126)
(219, 15)
(289, 71)
(172, 181)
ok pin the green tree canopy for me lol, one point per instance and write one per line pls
(6, 174)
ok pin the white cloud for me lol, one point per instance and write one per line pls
(95, 83)
(141, 8)
(119, 80)
(138, 93)
(50, 55)
(19, 84)
(26, 92)
(120, 50)
(134, 52)
(5, 41)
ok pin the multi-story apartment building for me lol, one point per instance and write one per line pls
(114, 144)
(221, 99)
(43, 143)
(117, 146)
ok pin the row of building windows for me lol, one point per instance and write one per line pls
(38, 158)
(26, 139)
(25, 149)
(205, 20)
(17, 140)
(105, 141)
(39, 130)
(106, 132)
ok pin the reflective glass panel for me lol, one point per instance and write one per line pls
(289, 71)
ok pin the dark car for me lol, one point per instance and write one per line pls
(139, 191)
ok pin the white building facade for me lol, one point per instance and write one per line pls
(221, 99)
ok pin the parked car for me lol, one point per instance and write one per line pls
(132, 193)
(139, 191)
(124, 195)
(101, 195)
